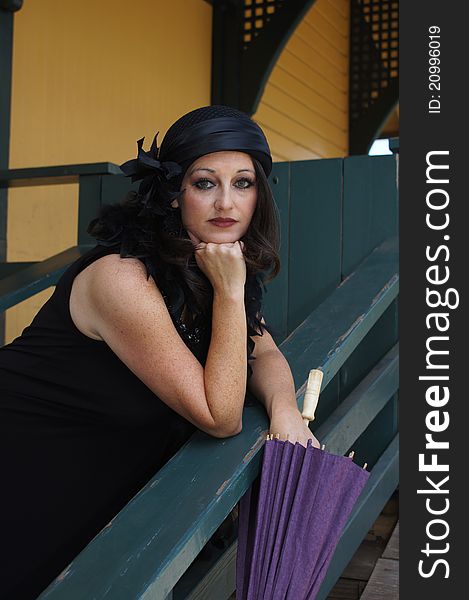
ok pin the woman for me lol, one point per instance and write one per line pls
(153, 333)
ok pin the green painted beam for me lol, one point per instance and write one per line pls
(217, 579)
(32, 279)
(7, 269)
(55, 174)
(145, 550)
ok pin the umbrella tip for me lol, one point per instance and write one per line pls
(323, 447)
(365, 465)
(352, 454)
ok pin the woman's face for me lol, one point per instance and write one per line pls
(219, 198)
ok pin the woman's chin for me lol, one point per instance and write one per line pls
(222, 236)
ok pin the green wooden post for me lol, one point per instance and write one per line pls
(370, 206)
(315, 235)
(370, 215)
(114, 189)
(276, 298)
(6, 58)
(89, 203)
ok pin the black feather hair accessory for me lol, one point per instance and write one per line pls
(159, 179)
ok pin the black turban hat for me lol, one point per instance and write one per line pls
(199, 132)
(213, 129)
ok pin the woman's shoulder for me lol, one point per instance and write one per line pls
(109, 273)
(108, 270)
(114, 263)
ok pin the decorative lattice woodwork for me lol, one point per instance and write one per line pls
(374, 67)
(248, 36)
(257, 13)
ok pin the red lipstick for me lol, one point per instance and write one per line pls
(219, 222)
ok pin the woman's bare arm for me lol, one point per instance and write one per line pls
(130, 315)
(226, 366)
(272, 383)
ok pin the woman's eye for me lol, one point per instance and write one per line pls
(203, 184)
(206, 184)
(244, 183)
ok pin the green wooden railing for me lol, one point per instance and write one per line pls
(334, 306)
(21, 280)
(150, 544)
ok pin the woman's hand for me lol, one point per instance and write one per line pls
(291, 422)
(223, 264)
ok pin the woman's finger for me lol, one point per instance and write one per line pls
(194, 239)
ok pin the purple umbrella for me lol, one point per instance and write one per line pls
(291, 518)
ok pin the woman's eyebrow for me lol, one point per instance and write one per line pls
(214, 170)
(203, 169)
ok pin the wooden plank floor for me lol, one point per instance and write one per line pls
(381, 543)
(392, 549)
(384, 581)
(372, 574)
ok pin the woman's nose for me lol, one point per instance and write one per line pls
(224, 200)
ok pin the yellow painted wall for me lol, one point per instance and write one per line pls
(89, 79)
(304, 108)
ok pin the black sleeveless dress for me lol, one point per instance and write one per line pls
(80, 435)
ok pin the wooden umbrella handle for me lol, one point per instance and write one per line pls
(310, 402)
